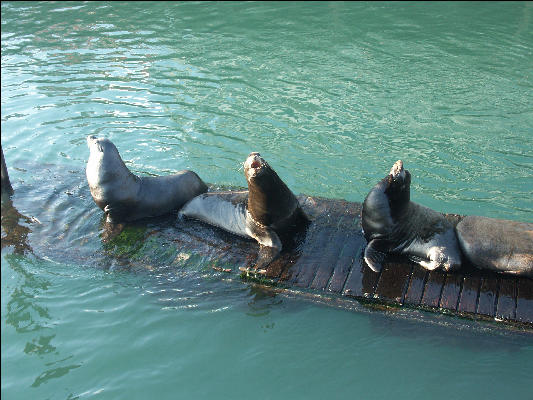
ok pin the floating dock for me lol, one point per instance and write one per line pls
(329, 261)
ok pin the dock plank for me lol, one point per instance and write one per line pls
(313, 258)
(524, 303)
(469, 294)
(361, 281)
(433, 289)
(415, 289)
(506, 307)
(348, 220)
(488, 296)
(325, 268)
(352, 253)
(451, 291)
(393, 281)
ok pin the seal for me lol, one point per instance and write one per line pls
(392, 223)
(500, 245)
(267, 212)
(6, 183)
(123, 196)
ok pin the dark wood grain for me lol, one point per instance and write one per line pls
(416, 286)
(393, 281)
(433, 289)
(469, 294)
(326, 266)
(506, 306)
(451, 291)
(524, 303)
(351, 254)
(316, 256)
(487, 296)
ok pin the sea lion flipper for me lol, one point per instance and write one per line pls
(373, 257)
(265, 257)
(113, 214)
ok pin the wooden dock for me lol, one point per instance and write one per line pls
(330, 261)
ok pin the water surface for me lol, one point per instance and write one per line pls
(331, 94)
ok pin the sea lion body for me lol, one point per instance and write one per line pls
(125, 196)
(394, 224)
(267, 212)
(496, 244)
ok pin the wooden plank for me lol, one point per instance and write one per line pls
(361, 281)
(280, 265)
(469, 294)
(327, 254)
(451, 291)
(487, 296)
(327, 265)
(318, 233)
(351, 254)
(316, 209)
(393, 281)
(313, 257)
(524, 303)
(506, 308)
(370, 280)
(433, 289)
(415, 289)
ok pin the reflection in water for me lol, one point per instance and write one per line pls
(262, 300)
(444, 86)
(54, 373)
(30, 318)
(14, 229)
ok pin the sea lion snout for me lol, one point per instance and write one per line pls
(397, 170)
(94, 143)
(254, 164)
(90, 140)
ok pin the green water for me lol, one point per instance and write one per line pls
(331, 94)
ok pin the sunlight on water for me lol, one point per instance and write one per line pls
(331, 94)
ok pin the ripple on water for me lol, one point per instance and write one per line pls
(332, 95)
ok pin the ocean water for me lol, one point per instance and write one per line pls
(331, 94)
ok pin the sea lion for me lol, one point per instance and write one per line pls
(496, 244)
(6, 183)
(394, 224)
(267, 212)
(126, 197)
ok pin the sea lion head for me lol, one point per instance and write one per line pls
(385, 202)
(107, 174)
(269, 198)
(255, 167)
(398, 185)
(104, 160)
(101, 148)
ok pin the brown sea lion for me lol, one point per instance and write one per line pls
(267, 212)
